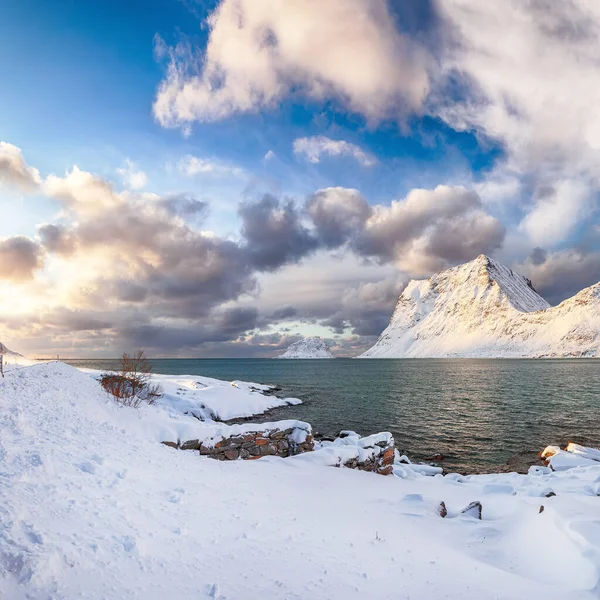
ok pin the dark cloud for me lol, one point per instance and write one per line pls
(562, 274)
(281, 314)
(538, 256)
(430, 230)
(57, 239)
(20, 257)
(338, 214)
(274, 234)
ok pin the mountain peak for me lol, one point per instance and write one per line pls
(483, 308)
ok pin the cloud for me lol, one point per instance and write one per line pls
(313, 148)
(338, 214)
(560, 275)
(15, 171)
(274, 234)
(557, 212)
(57, 239)
(20, 257)
(430, 230)
(270, 155)
(133, 177)
(191, 166)
(83, 192)
(366, 308)
(259, 52)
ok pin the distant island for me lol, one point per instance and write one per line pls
(482, 309)
(310, 347)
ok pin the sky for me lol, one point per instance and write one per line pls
(218, 178)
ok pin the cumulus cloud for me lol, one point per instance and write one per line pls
(313, 148)
(133, 177)
(15, 171)
(274, 233)
(20, 257)
(57, 239)
(430, 230)
(338, 214)
(258, 52)
(82, 192)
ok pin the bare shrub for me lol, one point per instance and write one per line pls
(131, 385)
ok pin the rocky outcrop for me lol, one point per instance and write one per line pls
(252, 444)
(381, 462)
(375, 453)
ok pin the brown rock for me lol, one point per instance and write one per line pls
(191, 445)
(171, 444)
(261, 441)
(231, 454)
(442, 510)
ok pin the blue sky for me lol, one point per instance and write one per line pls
(386, 100)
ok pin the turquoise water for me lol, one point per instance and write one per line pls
(478, 413)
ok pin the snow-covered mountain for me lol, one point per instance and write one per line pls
(484, 309)
(310, 347)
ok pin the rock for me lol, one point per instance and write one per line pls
(549, 494)
(541, 509)
(171, 444)
(232, 454)
(191, 445)
(435, 458)
(442, 510)
(473, 510)
(260, 441)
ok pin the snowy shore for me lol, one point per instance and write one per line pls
(93, 506)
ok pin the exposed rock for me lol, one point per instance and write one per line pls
(442, 510)
(473, 510)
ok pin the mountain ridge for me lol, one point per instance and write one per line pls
(484, 309)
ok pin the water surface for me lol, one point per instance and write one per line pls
(478, 413)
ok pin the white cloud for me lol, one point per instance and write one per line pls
(270, 155)
(557, 212)
(258, 52)
(132, 176)
(192, 166)
(317, 146)
(82, 192)
(14, 170)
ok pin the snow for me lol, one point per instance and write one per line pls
(207, 398)
(12, 359)
(92, 506)
(311, 347)
(483, 309)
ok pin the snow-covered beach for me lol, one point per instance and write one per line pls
(92, 505)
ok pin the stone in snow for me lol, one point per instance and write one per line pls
(311, 347)
(484, 309)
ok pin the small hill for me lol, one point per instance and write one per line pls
(310, 347)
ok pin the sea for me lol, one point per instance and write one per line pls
(476, 413)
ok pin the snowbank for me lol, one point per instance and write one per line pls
(213, 399)
(91, 506)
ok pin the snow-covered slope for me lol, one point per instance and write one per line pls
(310, 347)
(92, 506)
(484, 309)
